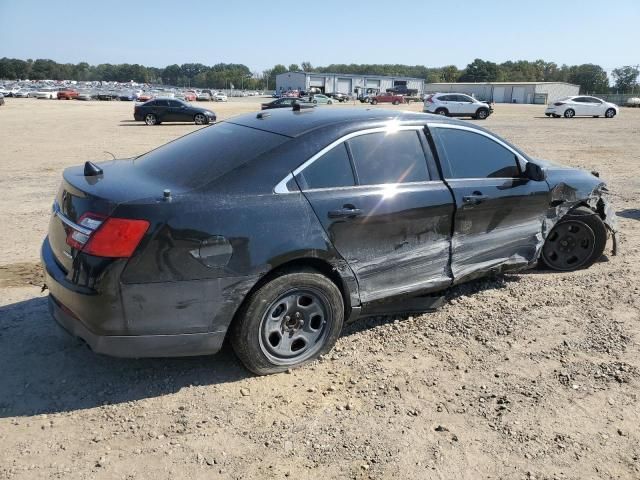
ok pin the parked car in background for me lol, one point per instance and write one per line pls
(85, 95)
(1, 99)
(144, 97)
(456, 105)
(321, 99)
(67, 94)
(341, 97)
(387, 98)
(581, 106)
(108, 96)
(284, 103)
(174, 251)
(190, 96)
(23, 93)
(46, 93)
(633, 102)
(159, 110)
(127, 96)
(220, 97)
(203, 97)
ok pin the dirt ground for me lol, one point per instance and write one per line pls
(535, 375)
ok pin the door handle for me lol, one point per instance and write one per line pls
(346, 212)
(474, 199)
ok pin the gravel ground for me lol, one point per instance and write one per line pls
(535, 375)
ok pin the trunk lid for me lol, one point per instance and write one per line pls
(122, 181)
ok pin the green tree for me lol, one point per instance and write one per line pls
(294, 67)
(591, 78)
(275, 71)
(306, 66)
(480, 71)
(626, 78)
(450, 73)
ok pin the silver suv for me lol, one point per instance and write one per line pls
(456, 105)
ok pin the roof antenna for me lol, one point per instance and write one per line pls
(91, 169)
(112, 155)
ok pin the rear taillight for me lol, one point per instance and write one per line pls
(557, 104)
(111, 237)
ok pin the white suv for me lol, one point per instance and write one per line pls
(569, 107)
(456, 105)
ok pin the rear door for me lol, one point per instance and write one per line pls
(380, 200)
(177, 112)
(161, 109)
(499, 213)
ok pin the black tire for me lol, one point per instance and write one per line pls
(264, 354)
(314, 101)
(200, 119)
(482, 114)
(575, 254)
(329, 102)
(547, 114)
(569, 113)
(396, 102)
(374, 101)
(367, 100)
(151, 119)
(610, 113)
(442, 111)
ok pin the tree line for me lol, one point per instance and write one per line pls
(591, 78)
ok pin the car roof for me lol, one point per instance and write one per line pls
(295, 123)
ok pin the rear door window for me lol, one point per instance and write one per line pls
(331, 170)
(382, 158)
(466, 154)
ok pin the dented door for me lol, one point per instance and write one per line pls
(499, 214)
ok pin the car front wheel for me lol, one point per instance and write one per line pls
(576, 242)
(569, 113)
(610, 113)
(287, 322)
(150, 119)
(200, 119)
(442, 111)
(482, 114)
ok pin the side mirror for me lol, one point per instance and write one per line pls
(534, 172)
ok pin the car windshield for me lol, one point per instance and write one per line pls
(201, 157)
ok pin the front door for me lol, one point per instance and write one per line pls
(385, 211)
(500, 214)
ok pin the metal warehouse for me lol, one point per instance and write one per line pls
(344, 83)
(509, 92)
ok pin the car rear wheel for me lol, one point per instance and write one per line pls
(329, 102)
(374, 101)
(610, 113)
(151, 119)
(442, 111)
(577, 241)
(396, 102)
(289, 321)
(482, 114)
(569, 113)
(200, 119)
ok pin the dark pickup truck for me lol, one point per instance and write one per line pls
(402, 90)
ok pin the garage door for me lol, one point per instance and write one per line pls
(316, 82)
(518, 94)
(370, 83)
(344, 85)
(498, 94)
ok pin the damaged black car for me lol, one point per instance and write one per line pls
(272, 230)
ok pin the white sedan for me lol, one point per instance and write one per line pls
(584, 106)
(47, 93)
(220, 97)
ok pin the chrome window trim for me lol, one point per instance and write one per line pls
(281, 187)
(480, 132)
(69, 223)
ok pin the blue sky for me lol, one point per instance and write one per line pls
(261, 34)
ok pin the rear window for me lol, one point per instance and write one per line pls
(202, 156)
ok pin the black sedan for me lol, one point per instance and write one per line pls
(286, 102)
(159, 110)
(274, 230)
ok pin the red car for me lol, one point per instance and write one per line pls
(67, 94)
(388, 98)
(190, 96)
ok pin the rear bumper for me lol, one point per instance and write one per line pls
(142, 320)
(137, 346)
